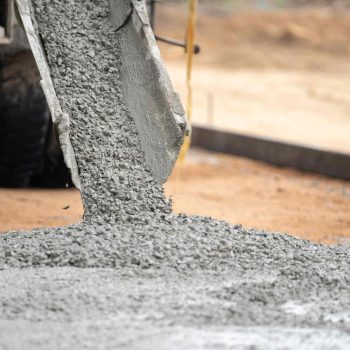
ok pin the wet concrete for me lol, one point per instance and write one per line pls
(133, 275)
(170, 282)
(83, 53)
(70, 308)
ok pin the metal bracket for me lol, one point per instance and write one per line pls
(152, 15)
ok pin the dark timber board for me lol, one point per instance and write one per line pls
(275, 152)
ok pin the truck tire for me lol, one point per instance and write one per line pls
(51, 171)
(24, 119)
(30, 156)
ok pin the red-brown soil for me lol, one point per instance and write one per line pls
(235, 189)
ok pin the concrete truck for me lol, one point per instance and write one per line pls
(30, 112)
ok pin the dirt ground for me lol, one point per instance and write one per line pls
(235, 189)
(281, 75)
(258, 195)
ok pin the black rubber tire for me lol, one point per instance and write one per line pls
(51, 171)
(30, 155)
(24, 119)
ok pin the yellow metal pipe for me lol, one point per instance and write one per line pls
(191, 26)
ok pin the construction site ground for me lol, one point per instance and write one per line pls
(235, 189)
(275, 74)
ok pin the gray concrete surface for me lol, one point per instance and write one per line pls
(180, 282)
(133, 275)
(70, 308)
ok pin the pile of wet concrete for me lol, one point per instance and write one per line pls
(133, 275)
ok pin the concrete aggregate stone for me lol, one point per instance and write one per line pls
(133, 275)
